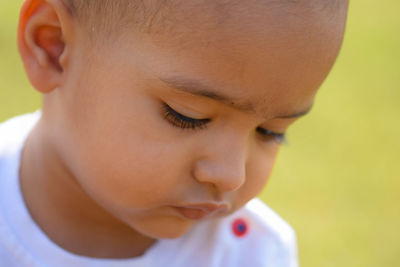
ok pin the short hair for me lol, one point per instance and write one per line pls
(107, 17)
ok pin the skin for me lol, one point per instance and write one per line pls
(103, 166)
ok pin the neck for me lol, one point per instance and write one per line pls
(65, 212)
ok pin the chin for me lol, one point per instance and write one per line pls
(169, 233)
(169, 229)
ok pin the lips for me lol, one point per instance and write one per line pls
(200, 211)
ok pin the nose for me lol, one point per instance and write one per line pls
(224, 166)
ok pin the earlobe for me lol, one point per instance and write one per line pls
(42, 42)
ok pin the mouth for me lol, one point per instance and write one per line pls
(199, 211)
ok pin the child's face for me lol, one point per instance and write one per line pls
(158, 157)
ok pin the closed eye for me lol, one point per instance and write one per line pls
(182, 121)
(267, 135)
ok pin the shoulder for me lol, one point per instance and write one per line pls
(11, 252)
(12, 136)
(20, 122)
(14, 130)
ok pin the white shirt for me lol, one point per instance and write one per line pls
(253, 236)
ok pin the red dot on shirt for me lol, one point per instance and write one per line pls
(239, 227)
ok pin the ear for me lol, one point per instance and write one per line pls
(44, 32)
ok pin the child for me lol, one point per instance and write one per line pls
(160, 123)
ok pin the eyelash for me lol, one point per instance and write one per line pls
(279, 138)
(181, 121)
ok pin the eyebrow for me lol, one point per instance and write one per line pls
(199, 88)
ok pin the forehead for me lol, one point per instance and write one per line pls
(270, 54)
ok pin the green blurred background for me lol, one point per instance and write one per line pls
(337, 181)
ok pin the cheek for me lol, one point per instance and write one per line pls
(258, 171)
(122, 163)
